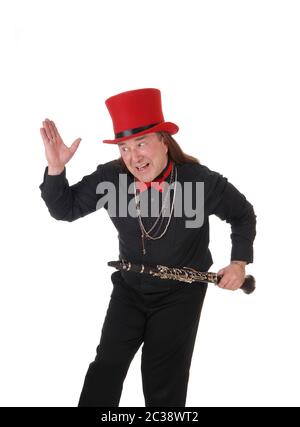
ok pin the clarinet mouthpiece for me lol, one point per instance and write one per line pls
(114, 264)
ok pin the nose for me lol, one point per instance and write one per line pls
(135, 156)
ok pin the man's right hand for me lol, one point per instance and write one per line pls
(57, 153)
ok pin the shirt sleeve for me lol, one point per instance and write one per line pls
(226, 202)
(69, 203)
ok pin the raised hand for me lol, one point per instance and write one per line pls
(57, 153)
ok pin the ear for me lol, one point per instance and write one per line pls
(164, 143)
(166, 146)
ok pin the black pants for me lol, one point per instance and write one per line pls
(166, 322)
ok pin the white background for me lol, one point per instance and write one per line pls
(229, 76)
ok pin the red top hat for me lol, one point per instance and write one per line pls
(137, 112)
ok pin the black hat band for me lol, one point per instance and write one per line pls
(133, 131)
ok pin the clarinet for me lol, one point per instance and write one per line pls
(185, 274)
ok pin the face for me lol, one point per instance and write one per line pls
(145, 156)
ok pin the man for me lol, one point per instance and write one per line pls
(152, 171)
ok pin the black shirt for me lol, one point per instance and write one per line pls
(180, 246)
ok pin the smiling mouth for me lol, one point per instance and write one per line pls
(143, 167)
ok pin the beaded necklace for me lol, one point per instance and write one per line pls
(145, 234)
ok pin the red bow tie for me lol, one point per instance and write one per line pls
(158, 184)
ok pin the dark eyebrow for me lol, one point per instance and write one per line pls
(120, 144)
(140, 137)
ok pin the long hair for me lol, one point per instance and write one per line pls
(174, 150)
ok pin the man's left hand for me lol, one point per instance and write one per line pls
(233, 275)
